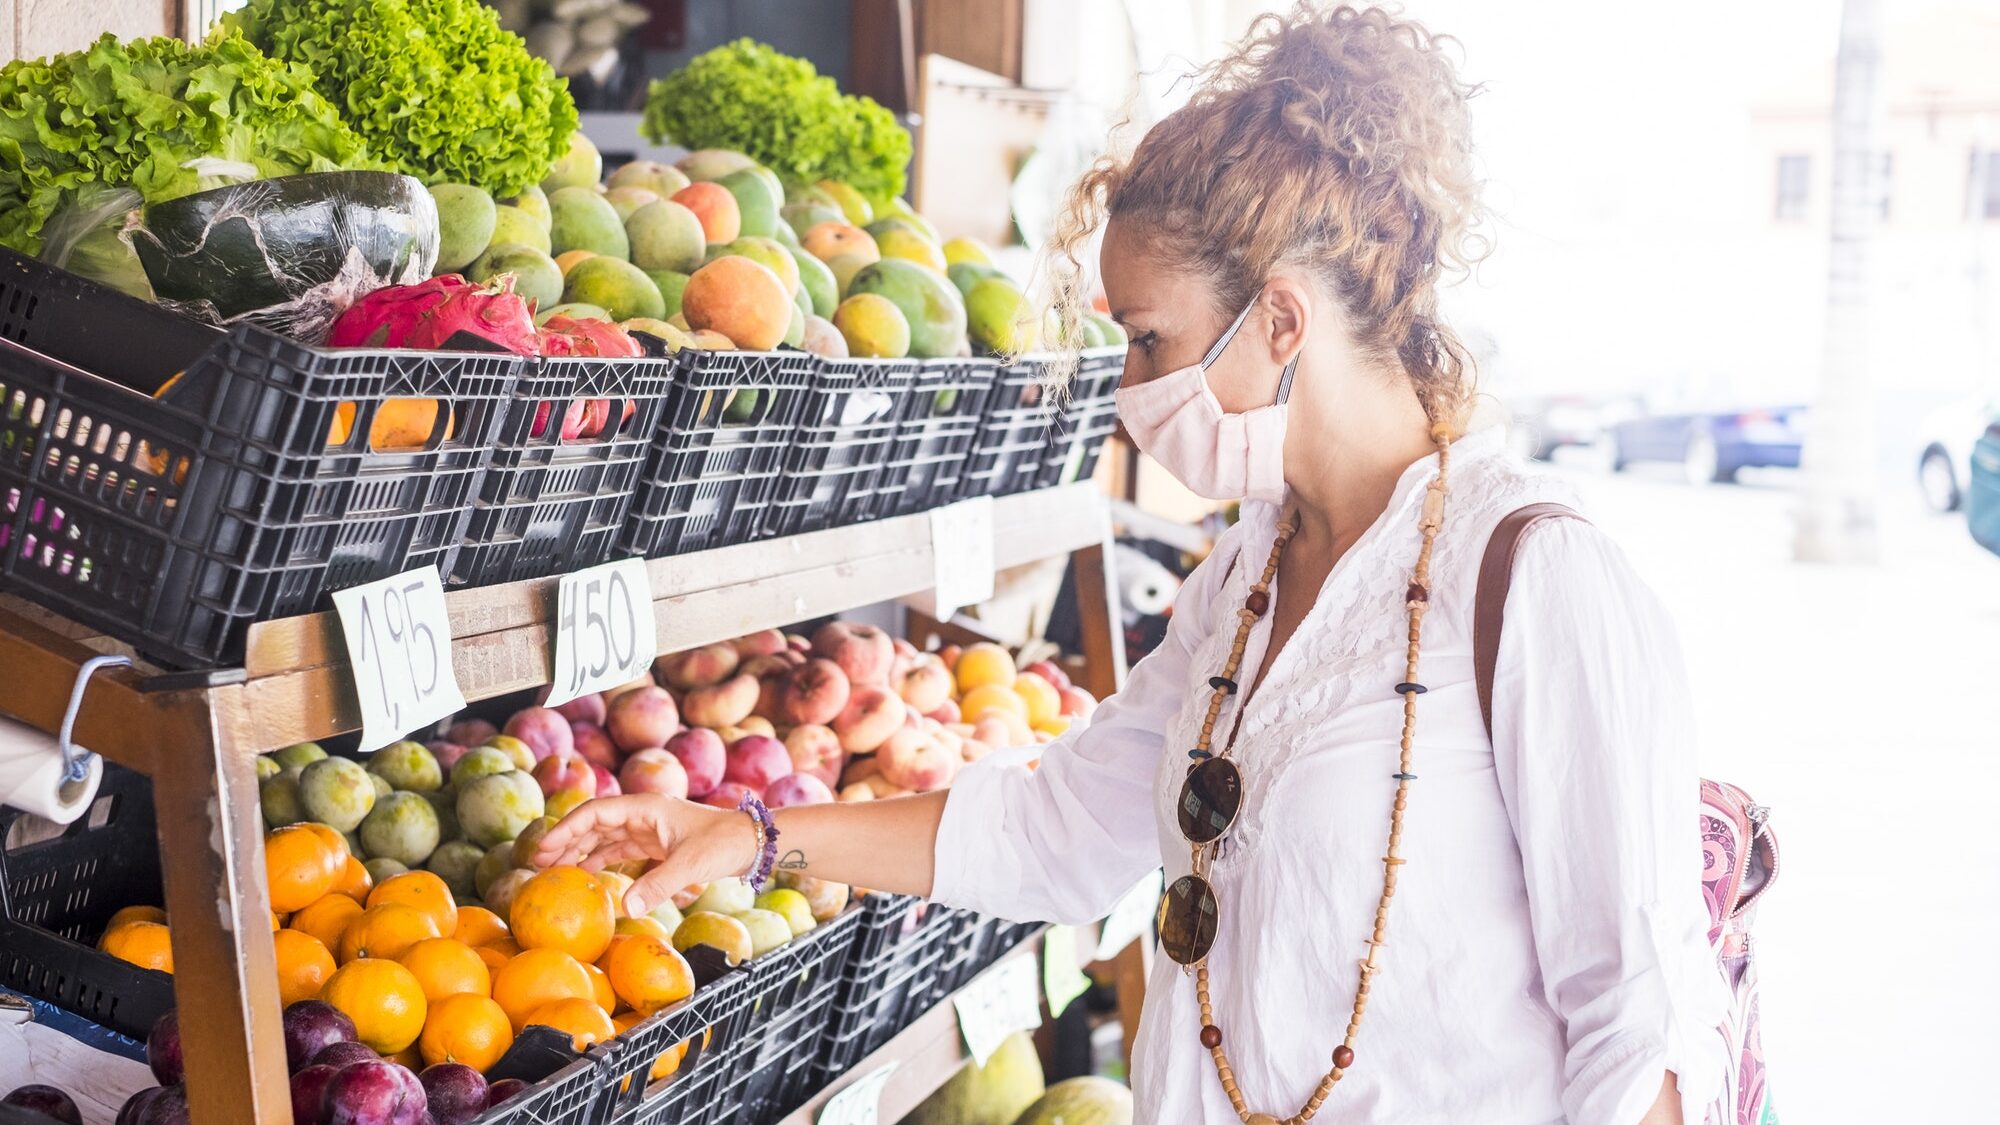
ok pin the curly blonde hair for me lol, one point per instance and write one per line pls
(1334, 139)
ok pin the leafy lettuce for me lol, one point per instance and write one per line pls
(782, 113)
(164, 117)
(436, 87)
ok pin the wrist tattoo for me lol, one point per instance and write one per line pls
(795, 860)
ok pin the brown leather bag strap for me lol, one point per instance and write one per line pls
(1489, 606)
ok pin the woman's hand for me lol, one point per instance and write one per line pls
(688, 843)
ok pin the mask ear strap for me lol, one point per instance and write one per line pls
(1215, 352)
(1285, 380)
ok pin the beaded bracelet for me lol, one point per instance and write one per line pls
(767, 852)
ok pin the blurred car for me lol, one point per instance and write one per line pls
(1542, 424)
(1712, 445)
(1982, 491)
(1946, 460)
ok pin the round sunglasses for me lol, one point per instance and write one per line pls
(1210, 799)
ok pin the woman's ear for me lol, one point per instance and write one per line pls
(1288, 308)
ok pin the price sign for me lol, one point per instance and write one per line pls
(1132, 919)
(999, 1003)
(604, 629)
(856, 1105)
(1062, 980)
(962, 547)
(399, 654)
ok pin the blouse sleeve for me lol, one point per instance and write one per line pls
(1064, 841)
(1594, 748)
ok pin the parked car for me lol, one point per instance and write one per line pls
(1945, 462)
(1542, 424)
(1982, 491)
(1712, 445)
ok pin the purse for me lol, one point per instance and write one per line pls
(1739, 849)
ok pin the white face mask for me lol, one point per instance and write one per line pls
(1177, 420)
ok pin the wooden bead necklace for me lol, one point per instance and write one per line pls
(1417, 601)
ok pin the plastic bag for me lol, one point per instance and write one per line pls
(89, 237)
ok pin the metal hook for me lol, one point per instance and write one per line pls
(76, 760)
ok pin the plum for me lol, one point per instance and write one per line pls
(446, 753)
(568, 770)
(756, 761)
(728, 795)
(134, 1110)
(170, 1108)
(456, 1092)
(545, 731)
(470, 732)
(594, 745)
(374, 1093)
(642, 717)
(584, 709)
(310, 1027)
(163, 1049)
(797, 789)
(45, 1100)
(607, 782)
(703, 757)
(654, 771)
(502, 1090)
(309, 1093)
(338, 1055)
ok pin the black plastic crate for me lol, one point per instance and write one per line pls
(897, 972)
(699, 1089)
(1012, 446)
(175, 520)
(550, 505)
(570, 1096)
(837, 472)
(934, 443)
(1087, 417)
(57, 894)
(719, 452)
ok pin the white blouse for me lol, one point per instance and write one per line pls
(1546, 957)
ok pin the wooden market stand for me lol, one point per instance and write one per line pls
(197, 735)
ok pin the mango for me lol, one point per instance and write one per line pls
(537, 278)
(998, 318)
(670, 283)
(884, 225)
(675, 338)
(934, 310)
(662, 180)
(817, 281)
(616, 286)
(712, 163)
(740, 298)
(913, 247)
(851, 202)
(626, 200)
(666, 236)
(900, 208)
(821, 338)
(454, 861)
(581, 166)
(513, 226)
(966, 250)
(965, 275)
(873, 326)
(585, 220)
(795, 332)
(465, 224)
(575, 310)
(844, 267)
(785, 236)
(1113, 334)
(756, 203)
(828, 241)
(534, 201)
(802, 217)
(765, 252)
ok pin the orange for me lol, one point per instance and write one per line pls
(301, 865)
(492, 957)
(982, 665)
(386, 932)
(649, 974)
(446, 967)
(145, 944)
(423, 890)
(277, 923)
(1055, 727)
(601, 990)
(1043, 700)
(646, 924)
(1000, 698)
(382, 998)
(136, 914)
(538, 977)
(616, 884)
(333, 838)
(303, 965)
(466, 1028)
(354, 881)
(669, 1060)
(508, 947)
(585, 1022)
(478, 926)
(564, 908)
(327, 918)
(409, 1057)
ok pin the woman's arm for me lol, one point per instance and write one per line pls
(1594, 750)
(1667, 1107)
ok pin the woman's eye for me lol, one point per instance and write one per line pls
(1145, 341)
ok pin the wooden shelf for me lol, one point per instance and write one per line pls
(197, 735)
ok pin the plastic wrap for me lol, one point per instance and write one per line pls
(88, 237)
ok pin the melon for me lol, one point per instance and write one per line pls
(994, 1094)
(1081, 1101)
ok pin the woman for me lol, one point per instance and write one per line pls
(1535, 951)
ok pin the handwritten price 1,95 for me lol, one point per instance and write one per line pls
(399, 654)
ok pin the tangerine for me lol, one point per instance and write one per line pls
(327, 918)
(145, 944)
(477, 926)
(983, 664)
(564, 908)
(1044, 702)
(981, 701)
(539, 977)
(601, 990)
(136, 914)
(648, 973)
(424, 890)
(466, 1028)
(385, 932)
(303, 965)
(582, 1019)
(492, 957)
(447, 967)
(354, 881)
(382, 998)
(300, 865)
(331, 835)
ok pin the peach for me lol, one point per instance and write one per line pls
(721, 219)
(1077, 703)
(831, 239)
(915, 760)
(698, 667)
(757, 760)
(859, 791)
(814, 692)
(870, 717)
(971, 749)
(741, 299)
(947, 712)
(770, 690)
(607, 782)
(797, 643)
(764, 664)
(815, 750)
(758, 724)
(447, 753)
(654, 771)
(862, 651)
(926, 686)
(584, 709)
(860, 769)
(797, 789)
(727, 795)
(595, 745)
(558, 772)
(545, 731)
(764, 642)
(984, 664)
(641, 718)
(701, 754)
(884, 790)
(721, 705)
(793, 657)
(1043, 700)
(471, 732)
(994, 731)
(950, 654)
(1050, 671)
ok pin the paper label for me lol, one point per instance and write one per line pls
(962, 550)
(1062, 980)
(604, 632)
(857, 1104)
(1132, 918)
(996, 1005)
(399, 654)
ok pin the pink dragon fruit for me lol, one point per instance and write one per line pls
(429, 313)
(584, 420)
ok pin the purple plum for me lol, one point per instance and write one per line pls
(170, 1108)
(134, 1110)
(457, 1093)
(311, 1026)
(309, 1093)
(163, 1049)
(45, 1100)
(374, 1093)
(502, 1090)
(345, 1054)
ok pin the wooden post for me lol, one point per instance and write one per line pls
(1099, 620)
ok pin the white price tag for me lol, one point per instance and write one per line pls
(857, 1104)
(1001, 1002)
(1132, 919)
(604, 629)
(399, 654)
(1062, 980)
(962, 547)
